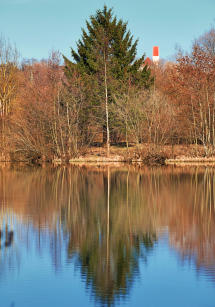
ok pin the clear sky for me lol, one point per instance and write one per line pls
(38, 26)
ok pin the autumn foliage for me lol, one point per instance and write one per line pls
(49, 110)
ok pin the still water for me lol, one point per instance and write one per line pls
(107, 236)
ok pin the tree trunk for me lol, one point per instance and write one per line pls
(106, 110)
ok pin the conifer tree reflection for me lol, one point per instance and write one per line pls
(108, 246)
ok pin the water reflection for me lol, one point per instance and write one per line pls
(102, 233)
(107, 220)
(6, 238)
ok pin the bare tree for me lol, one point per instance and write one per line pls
(8, 83)
(206, 42)
(193, 83)
(146, 116)
(46, 122)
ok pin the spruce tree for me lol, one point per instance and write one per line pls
(106, 57)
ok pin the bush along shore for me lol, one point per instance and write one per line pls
(142, 154)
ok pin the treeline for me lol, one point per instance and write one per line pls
(104, 95)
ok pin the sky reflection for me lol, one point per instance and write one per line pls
(107, 236)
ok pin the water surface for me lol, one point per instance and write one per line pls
(107, 236)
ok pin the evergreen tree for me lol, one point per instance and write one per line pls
(106, 57)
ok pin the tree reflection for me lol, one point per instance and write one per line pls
(109, 219)
(106, 242)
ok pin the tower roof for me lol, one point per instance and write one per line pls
(155, 51)
(148, 61)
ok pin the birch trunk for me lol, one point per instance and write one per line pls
(106, 108)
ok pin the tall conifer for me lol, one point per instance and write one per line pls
(106, 55)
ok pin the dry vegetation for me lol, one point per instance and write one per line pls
(45, 116)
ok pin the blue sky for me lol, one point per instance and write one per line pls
(38, 26)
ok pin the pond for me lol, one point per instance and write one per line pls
(107, 236)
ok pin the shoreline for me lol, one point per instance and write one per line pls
(186, 161)
(108, 161)
(177, 155)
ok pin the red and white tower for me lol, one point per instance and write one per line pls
(155, 57)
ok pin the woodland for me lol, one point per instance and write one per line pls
(106, 97)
